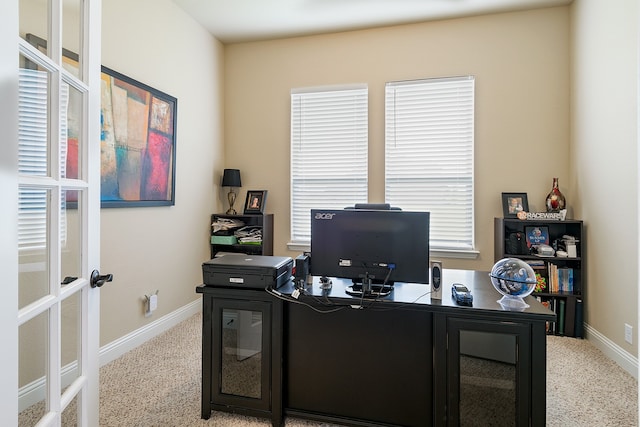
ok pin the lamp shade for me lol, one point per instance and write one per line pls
(231, 178)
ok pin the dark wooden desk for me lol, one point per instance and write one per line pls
(398, 361)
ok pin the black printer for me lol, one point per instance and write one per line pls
(247, 271)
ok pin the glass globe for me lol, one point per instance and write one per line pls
(515, 279)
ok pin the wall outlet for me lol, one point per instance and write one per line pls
(628, 333)
(153, 302)
(150, 304)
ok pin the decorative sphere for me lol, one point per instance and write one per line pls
(513, 278)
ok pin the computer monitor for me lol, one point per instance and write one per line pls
(373, 248)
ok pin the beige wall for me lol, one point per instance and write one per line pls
(521, 65)
(530, 127)
(149, 249)
(604, 157)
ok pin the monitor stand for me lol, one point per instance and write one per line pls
(368, 289)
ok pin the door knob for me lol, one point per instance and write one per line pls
(98, 280)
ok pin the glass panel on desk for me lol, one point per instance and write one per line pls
(487, 379)
(242, 353)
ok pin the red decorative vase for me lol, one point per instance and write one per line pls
(555, 200)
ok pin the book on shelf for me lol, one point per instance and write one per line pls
(565, 280)
(553, 277)
(560, 279)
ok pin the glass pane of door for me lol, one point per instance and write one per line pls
(70, 344)
(71, 164)
(242, 353)
(33, 108)
(487, 379)
(72, 133)
(71, 31)
(34, 19)
(32, 352)
(33, 245)
(70, 414)
(488, 373)
(71, 236)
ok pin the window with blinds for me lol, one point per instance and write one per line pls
(429, 136)
(329, 140)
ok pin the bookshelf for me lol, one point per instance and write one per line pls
(563, 276)
(226, 240)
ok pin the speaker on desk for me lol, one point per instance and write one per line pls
(436, 279)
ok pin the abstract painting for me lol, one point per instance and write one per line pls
(137, 143)
(137, 140)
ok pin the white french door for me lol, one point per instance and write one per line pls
(50, 152)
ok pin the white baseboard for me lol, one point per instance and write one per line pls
(613, 351)
(34, 392)
(122, 345)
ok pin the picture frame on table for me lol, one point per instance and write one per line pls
(513, 203)
(255, 201)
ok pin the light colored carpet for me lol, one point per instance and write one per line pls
(158, 385)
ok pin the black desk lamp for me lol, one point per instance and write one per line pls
(231, 179)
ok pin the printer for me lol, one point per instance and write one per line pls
(247, 271)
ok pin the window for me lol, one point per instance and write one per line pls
(429, 133)
(329, 138)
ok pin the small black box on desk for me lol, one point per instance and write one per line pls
(247, 271)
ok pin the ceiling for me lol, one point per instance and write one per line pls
(233, 21)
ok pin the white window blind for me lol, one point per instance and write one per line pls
(329, 139)
(33, 157)
(429, 137)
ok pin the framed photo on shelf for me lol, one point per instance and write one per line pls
(512, 203)
(256, 199)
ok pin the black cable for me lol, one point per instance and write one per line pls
(378, 294)
(338, 307)
(282, 296)
(398, 306)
